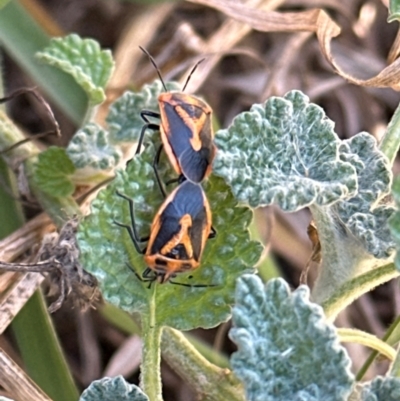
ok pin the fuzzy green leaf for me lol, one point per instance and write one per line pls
(227, 256)
(90, 66)
(284, 152)
(366, 214)
(124, 120)
(394, 222)
(53, 172)
(381, 389)
(90, 147)
(286, 350)
(113, 389)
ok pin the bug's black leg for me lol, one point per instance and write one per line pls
(132, 228)
(149, 125)
(146, 277)
(213, 233)
(156, 162)
(154, 127)
(149, 280)
(193, 285)
(148, 113)
(178, 180)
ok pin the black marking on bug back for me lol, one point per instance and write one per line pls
(191, 200)
(195, 164)
(160, 262)
(188, 199)
(197, 232)
(192, 110)
(178, 252)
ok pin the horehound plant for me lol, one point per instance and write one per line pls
(283, 152)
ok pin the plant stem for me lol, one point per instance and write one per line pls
(395, 368)
(343, 255)
(356, 287)
(150, 377)
(369, 340)
(391, 337)
(390, 142)
(127, 324)
(214, 383)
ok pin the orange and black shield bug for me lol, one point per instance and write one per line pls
(178, 233)
(186, 130)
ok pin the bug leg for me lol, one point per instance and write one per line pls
(132, 228)
(156, 162)
(193, 285)
(178, 180)
(213, 233)
(148, 113)
(154, 127)
(149, 125)
(148, 279)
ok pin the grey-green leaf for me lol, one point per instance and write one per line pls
(286, 350)
(106, 250)
(90, 147)
(284, 152)
(113, 389)
(89, 65)
(124, 120)
(381, 389)
(394, 222)
(366, 214)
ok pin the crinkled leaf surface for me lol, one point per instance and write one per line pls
(286, 350)
(53, 172)
(90, 147)
(381, 389)
(124, 120)
(89, 65)
(284, 152)
(394, 222)
(106, 249)
(365, 215)
(113, 389)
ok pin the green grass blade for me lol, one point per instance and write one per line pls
(22, 37)
(41, 351)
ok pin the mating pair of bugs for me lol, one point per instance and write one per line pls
(182, 225)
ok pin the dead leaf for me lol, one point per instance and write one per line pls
(317, 21)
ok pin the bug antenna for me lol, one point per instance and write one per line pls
(155, 66)
(191, 73)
